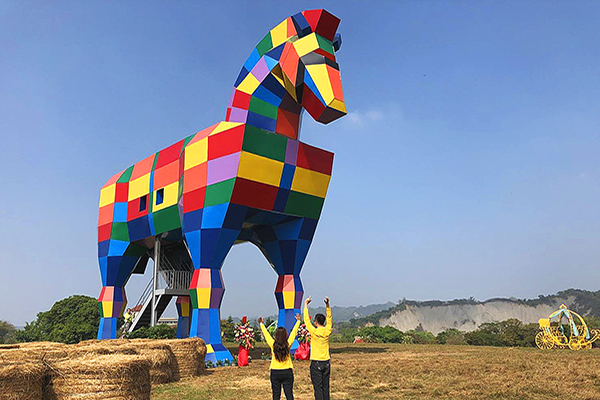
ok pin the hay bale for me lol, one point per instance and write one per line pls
(189, 356)
(163, 364)
(33, 354)
(21, 380)
(114, 376)
(104, 342)
(98, 349)
(160, 356)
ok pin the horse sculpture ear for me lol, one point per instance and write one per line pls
(337, 42)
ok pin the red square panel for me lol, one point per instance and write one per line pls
(166, 175)
(254, 194)
(241, 100)
(142, 168)
(194, 178)
(194, 200)
(121, 192)
(226, 142)
(169, 155)
(104, 232)
(133, 208)
(105, 214)
(315, 159)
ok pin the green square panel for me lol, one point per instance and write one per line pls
(126, 175)
(194, 298)
(119, 231)
(261, 107)
(166, 219)
(263, 143)
(304, 205)
(265, 44)
(219, 193)
(325, 44)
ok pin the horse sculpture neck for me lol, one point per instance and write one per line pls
(260, 97)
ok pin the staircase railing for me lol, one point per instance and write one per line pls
(177, 279)
(144, 296)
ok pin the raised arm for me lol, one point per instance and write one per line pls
(307, 322)
(266, 333)
(329, 319)
(294, 331)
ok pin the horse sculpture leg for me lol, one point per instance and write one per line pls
(183, 322)
(209, 236)
(286, 246)
(117, 260)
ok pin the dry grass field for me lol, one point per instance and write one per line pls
(372, 371)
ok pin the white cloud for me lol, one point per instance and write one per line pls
(359, 119)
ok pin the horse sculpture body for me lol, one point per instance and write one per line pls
(245, 179)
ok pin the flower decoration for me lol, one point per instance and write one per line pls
(244, 334)
(303, 334)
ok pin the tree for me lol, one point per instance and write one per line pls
(451, 336)
(228, 329)
(70, 320)
(421, 337)
(7, 332)
(377, 334)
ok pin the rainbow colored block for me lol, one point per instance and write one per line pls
(246, 179)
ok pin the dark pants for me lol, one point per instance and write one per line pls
(283, 377)
(319, 375)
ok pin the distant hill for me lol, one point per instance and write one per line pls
(343, 314)
(467, 314)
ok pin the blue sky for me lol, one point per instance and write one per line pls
(467, 166)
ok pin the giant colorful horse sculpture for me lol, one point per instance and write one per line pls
(245, 179)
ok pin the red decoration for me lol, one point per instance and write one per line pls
(303, 351)
(242, 356)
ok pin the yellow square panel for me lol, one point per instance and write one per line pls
(249, 84)
(107, 307)
(338, 105)
(318, 73)
(310, 182)
(209, 348)
(107, 195)
(223, 126)
(306, 44)
(203, 297)
(279, 33)
(260, 169)
(185, 309)
(139, 187)
(196, 153)
(288, 299)
(170, 196)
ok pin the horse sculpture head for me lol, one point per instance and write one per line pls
(292, 68)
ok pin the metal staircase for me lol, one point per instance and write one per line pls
(173, 277)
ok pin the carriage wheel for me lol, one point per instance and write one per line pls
(587, 346)
(575, 345)
(544, 341)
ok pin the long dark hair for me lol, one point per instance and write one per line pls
(281, 350)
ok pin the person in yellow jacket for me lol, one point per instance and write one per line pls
(320, 368)
(282, 372)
